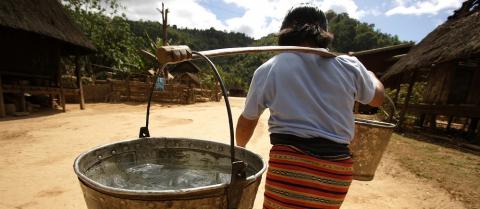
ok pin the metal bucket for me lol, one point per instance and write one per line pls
(369, 142)
(151, 172)
(100, 194)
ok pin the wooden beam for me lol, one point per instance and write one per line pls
(407, 100)
(79, 82)
(28, 75)
(2, 102)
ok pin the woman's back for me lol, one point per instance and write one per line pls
(310, 96)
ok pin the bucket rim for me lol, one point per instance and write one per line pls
(374, 123)
(119, 191)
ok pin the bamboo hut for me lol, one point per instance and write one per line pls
(185, 67)
(448, 61)
(36, 34)
(378, 61)
(188, 79)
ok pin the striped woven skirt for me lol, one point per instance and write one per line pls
(299, 180)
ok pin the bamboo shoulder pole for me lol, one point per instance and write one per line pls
(176, 54)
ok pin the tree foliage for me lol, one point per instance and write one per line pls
(196, 39)
(352, 35)
(119, 40)
(109, 31)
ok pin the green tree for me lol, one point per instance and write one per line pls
(110, 32)
(352, 35)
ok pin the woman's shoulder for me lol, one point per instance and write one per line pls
(347, 59)
(286, 57)
(282, 59)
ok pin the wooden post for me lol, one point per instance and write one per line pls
(421, 120)
(164, 13)
(127, 87)
(450, 120)
(465, 124)
(79, 82)
(433, 121)
(62, 98)
(88, 67)
(60, 85)
(395, 99)
(407, 100)
(21, 97)
(52, 100)
(2, 102)
(477, 137)
(472, 127)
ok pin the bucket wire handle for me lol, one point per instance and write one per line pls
(238, 172)
(144, 132)
(391, 115)
(238, 176)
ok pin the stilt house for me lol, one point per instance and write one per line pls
(447, 61)
(35, 35)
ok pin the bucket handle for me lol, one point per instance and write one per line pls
(391, 116)
(238, 173)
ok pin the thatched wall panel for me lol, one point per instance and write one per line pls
(438, 84)
(24, 53)
(474, 94)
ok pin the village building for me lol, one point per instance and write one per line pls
(378, 61)
(35, 35)
(185, 74)
(188, 79)
(445, 68)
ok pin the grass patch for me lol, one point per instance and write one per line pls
(453, 170)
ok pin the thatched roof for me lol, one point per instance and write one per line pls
(190, 77)
(379, 60)
(45, 17)
(457, 38)
(185, 67)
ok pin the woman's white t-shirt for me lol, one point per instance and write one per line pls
(310, 96)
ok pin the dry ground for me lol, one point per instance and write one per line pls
(38, 152)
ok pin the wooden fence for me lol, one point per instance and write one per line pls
(123, 91)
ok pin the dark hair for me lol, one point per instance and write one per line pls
(305, 25)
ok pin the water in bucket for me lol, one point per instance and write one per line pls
(164, 173)
(151, 176)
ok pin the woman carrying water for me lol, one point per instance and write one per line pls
(311, 122)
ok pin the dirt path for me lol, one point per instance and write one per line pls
(38, 152)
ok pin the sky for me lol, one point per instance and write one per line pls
(410, 20)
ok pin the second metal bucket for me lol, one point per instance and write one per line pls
(368, 145)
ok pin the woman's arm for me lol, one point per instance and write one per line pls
(379, 91)
(244, 131)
